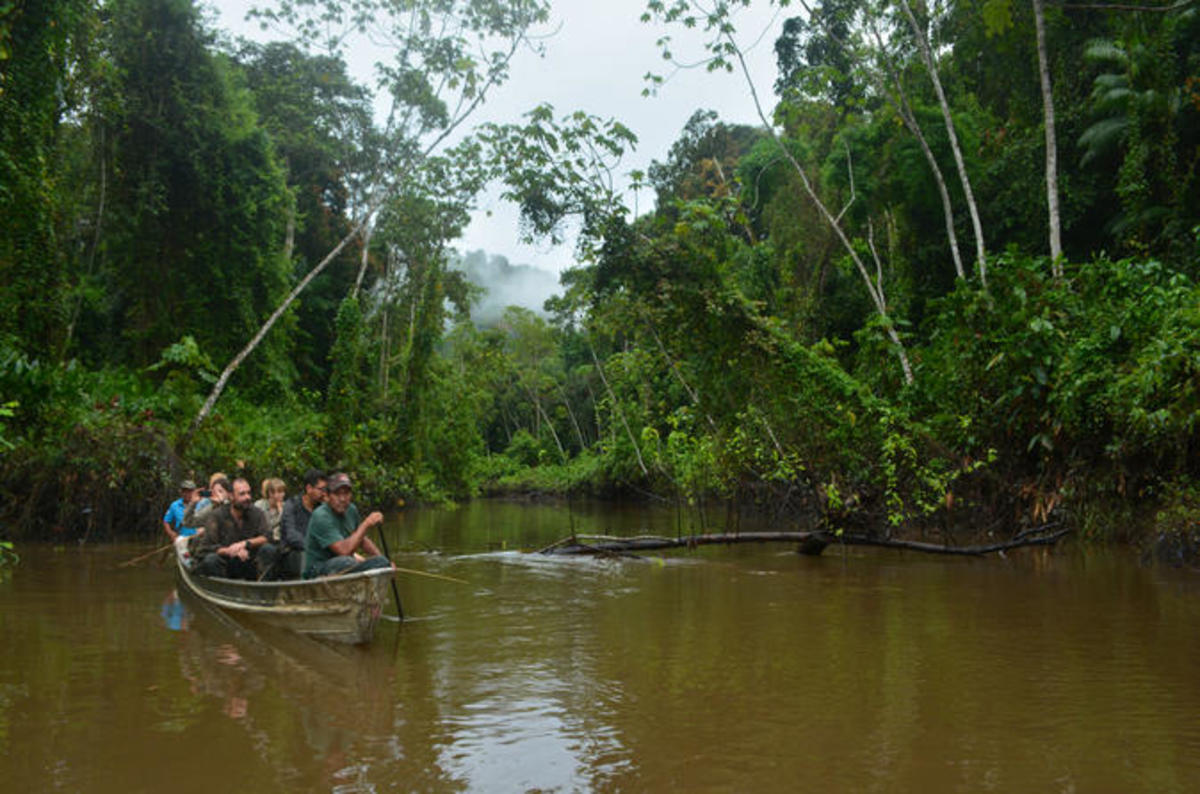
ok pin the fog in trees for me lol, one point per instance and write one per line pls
(504, 284)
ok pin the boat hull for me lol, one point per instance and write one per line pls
(335, 608)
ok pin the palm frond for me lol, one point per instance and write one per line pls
(1106, 50)
(1102, 137)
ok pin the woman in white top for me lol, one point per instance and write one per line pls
(273, 491)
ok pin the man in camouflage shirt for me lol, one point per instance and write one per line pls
(233, 534)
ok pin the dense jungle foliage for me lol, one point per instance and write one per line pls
(872, 314)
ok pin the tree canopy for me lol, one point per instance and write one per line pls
(947, 282)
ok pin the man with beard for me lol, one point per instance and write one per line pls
(233, 533)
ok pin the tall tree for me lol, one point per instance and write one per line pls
(42, 43)
(195, 227)
(411, 302)
(321, 124)
(920, 33)
(835, 40)
(717, 23)
(447, 56)
(1055, 220)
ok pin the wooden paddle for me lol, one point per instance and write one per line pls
(388, 554)
(145, 556)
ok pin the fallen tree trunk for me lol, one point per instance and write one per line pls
(811, 543)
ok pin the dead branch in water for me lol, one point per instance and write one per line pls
(811, 543)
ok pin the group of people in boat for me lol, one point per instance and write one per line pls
(221, 531)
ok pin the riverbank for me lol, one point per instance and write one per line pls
(1072, 400)
(76, 503)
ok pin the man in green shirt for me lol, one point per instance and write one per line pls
(335, 535)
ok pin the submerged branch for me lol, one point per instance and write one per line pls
(812, 542)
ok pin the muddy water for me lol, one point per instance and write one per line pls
(731, 669)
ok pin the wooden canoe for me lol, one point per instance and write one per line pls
(336, 608)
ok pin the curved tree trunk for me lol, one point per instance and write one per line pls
(931, 67)
(232, 366)
(877, 296)
(943, 191)
(385, 189)
(899, 100)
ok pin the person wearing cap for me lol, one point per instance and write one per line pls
(173, 518)
(218, 493)
(336, 534)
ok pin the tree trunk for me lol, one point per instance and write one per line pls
(596, 423)
(617, 407)
(900, 102)
(537, 404)
(931, 67)
(571, 415)
(811, 543)
(876, 296)
(366, 254)
(289, 236)
(1039, 21)
(232, 366)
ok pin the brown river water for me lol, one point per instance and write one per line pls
(744, 668)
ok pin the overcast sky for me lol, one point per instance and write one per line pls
(595, 62)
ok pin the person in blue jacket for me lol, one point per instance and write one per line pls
(173, 519)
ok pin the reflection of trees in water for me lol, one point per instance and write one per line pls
(315, 711)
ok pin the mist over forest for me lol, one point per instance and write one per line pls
(506, 285)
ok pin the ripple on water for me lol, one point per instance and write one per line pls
(717, 670)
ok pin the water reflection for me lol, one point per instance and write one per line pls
(175, 615)
(526, 704)
(720, 669)
(307, 706)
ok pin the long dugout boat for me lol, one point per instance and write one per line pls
(335, 608)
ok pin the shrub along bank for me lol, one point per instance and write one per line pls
(1072, 400)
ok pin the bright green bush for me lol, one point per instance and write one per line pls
(1084, 386)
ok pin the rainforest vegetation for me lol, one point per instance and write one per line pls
(949, 282)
